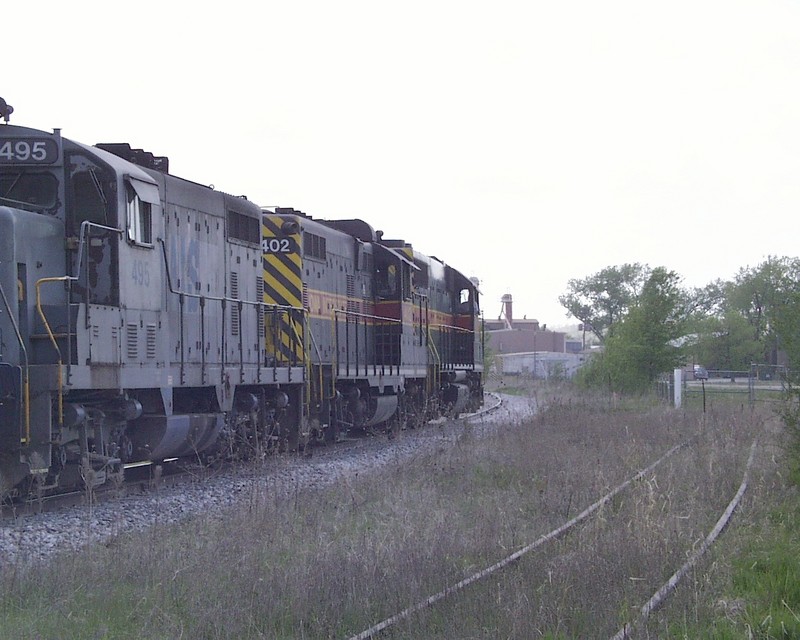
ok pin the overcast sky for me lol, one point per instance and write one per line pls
(522, 142)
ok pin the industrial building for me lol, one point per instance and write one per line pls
(522, 346)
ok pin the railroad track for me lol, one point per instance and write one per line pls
(146, 477)
(642, 613)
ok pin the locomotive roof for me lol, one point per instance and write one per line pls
(396, 254)
(117, 163)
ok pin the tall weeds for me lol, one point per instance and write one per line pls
(329, 563)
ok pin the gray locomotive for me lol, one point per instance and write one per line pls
(144, 317)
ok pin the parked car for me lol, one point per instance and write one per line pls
(700, 372)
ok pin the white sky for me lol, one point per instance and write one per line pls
(523, 142)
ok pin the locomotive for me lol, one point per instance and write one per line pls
(145, 317)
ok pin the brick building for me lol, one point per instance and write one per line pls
(522, 347)
(510, 335)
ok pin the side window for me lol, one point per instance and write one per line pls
(406, 281)
(141, 198)
(386, 281)
(90, 193)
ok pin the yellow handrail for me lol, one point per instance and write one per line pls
(40, 282)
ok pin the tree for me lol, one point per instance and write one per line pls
(709, 300)
(757, 292)
(725, 342)
(787, 328)
(643, 344)
(603, 299)
(732, 322)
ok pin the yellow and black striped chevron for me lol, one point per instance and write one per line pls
(283, 286)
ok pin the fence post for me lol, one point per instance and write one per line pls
(678, 387)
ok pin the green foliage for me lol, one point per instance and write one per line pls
(787, 326)
(735, 321)
(604, 298)
(790, 413)
(642, 345)
(726, 342)
(725, 325)
(768, 578)
(757, 293)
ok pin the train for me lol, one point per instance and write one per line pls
(145, 318)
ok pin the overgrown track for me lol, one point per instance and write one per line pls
(646, 609)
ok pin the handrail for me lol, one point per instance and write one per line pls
(222, 299)
(26, 381)
(199, 296)
(365, 317)
(452, 343)
(85, 225)
(53, 341)
(452, 326)
(437, 366)
(309, 364)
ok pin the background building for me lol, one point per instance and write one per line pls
(524, 347)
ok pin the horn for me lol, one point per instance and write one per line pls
(290, 227)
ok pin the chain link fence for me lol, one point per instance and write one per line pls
(761, 383)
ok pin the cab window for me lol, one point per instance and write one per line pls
(141, 198)
(32, 190)
(90, 193)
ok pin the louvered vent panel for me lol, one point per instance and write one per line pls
(305, 296)
(234, 306)
(132, 331)
(151, 340)
(351, 294)
(260, 309)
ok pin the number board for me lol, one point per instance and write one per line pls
(28, 151)
(278, 245)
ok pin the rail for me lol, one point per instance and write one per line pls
(659, 596)
(553, 535)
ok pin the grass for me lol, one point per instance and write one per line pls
(329, 563)
(757, 593)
